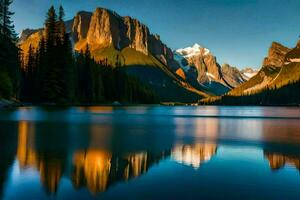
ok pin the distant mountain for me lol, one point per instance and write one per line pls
(202, 69)
(232, 75)
(272, 65)
(248, 73)
(112, 38)
(278, 81)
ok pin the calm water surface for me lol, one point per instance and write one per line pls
(150, 153)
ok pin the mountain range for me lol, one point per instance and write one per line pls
(185, 75)
(202, 70)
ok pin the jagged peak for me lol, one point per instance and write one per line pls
(278, 45)
(276, 55)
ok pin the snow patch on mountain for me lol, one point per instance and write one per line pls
(248, 73)
(196, 49)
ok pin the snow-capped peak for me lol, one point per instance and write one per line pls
(196, 46)
(196, 49)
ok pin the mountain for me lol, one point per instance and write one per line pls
(276, 56)
(272, 65)
(232, 75)
(248, 73)
(202, 69)
(293, 55)
(112, 38)
(277, 83)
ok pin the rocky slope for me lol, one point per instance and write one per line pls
(111, 37)
(201, 68)
(272, 66)
(232, 75)
(276, 55)
(106, 29)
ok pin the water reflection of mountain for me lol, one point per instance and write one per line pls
(45, 155)
(97, 170)
(278, 161)
(101, 163)
(193, 155)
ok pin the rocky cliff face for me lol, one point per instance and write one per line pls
(232, 75)
(274, 70)
(80, 26)
(105, 28)
(200, 60)
(293, 55)
(276, 55)
(111, 36)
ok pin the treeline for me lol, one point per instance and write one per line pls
(285, 95)
(52, 73)
(9, 53)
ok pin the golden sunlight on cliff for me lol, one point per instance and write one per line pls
(181, 73)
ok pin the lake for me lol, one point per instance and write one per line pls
(154, 152)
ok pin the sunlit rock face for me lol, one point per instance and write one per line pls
(193, 155)
(80, 25)
(278, 161)
(202, 59)
(293, 56)
(104, 29)
(276, 55)
(201, 68)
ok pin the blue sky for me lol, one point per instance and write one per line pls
(238, 32)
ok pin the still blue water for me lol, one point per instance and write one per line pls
(150, 153)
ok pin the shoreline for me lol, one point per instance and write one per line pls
(9, 104)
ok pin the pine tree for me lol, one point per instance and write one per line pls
(1, 17)
(6, 24)
(50, 26)
(9, 53)
(51, 84)
(61, 24)
(65, 58)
